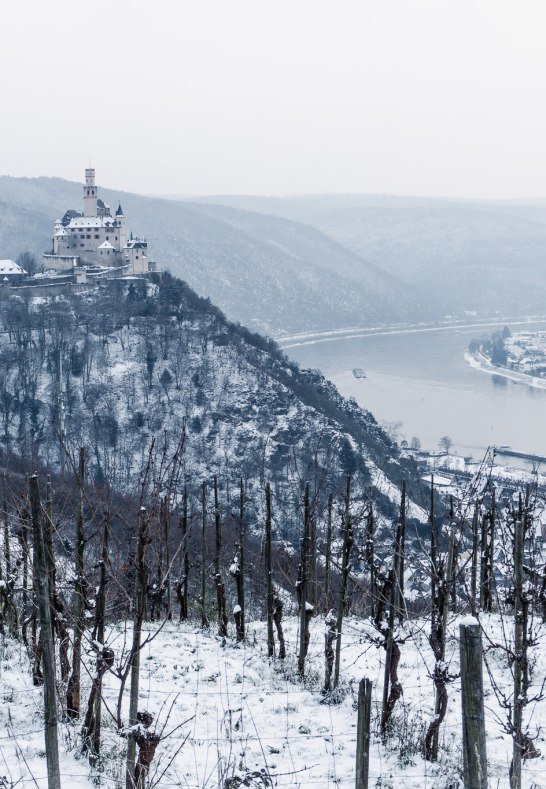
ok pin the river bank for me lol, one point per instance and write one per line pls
(418, 383)
(480, 362)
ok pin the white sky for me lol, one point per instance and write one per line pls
(278, 96)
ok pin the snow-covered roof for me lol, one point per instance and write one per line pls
(136, 243)
(10, 267)
(92, 221)
(105, 245)
(70, 214)
(61, 232)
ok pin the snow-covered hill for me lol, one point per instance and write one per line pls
(140, 360)
(481, 256)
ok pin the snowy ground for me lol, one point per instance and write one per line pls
(245, 713)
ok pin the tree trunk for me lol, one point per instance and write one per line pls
(484, 586)
(277, 618)
(220, 590)
(91, 730)
(73, 699)
(346, 556)
(519, 654)
(329, 654)
(166, 518)
(401, 547)
(328, 558)
(204, 619)
(183, 585)
(392, 690)
(442, 572)
(433, 543)
(240, 577)
(474, 564)
(11, 609)
(269, 573)
(312, 586)
(370, 559)
(138, 619)
(147, 744)
(306, 609)
(24, 549)
(46, 635)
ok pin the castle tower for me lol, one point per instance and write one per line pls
(120, 218)
(89, 193)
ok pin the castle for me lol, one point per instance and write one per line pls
(93, 237)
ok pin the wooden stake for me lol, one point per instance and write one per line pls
(269, 572)
(138, 619)
(363, 733)
(46, 636)
(328, 557)
(474, 750)
(346, 555)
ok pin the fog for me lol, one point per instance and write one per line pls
(253, 96)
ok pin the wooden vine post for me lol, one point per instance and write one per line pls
(474, 749)
(269, 572)
(43, 598)
(345, 559)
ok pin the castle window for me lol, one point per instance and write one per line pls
(97, 235)
(88, 236)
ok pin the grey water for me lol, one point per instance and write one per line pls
(421, 379)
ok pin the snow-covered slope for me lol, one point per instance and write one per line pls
(140, 361)
(227, 712)
(456, 255)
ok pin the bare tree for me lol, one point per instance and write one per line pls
(446, 443)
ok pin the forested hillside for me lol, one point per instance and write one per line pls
(132, 362)
(217, 547)
(457, 256)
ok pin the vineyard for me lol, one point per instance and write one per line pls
(170, 640)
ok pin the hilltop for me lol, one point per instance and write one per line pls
(269, 273)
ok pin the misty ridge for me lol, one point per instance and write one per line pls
(281, 265)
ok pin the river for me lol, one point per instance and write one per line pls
(421, 379)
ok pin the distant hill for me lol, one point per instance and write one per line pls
(484, 256)
(268, 272)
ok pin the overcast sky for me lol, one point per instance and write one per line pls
(440, 97)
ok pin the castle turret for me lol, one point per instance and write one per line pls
(89, 193)
(120, 218)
